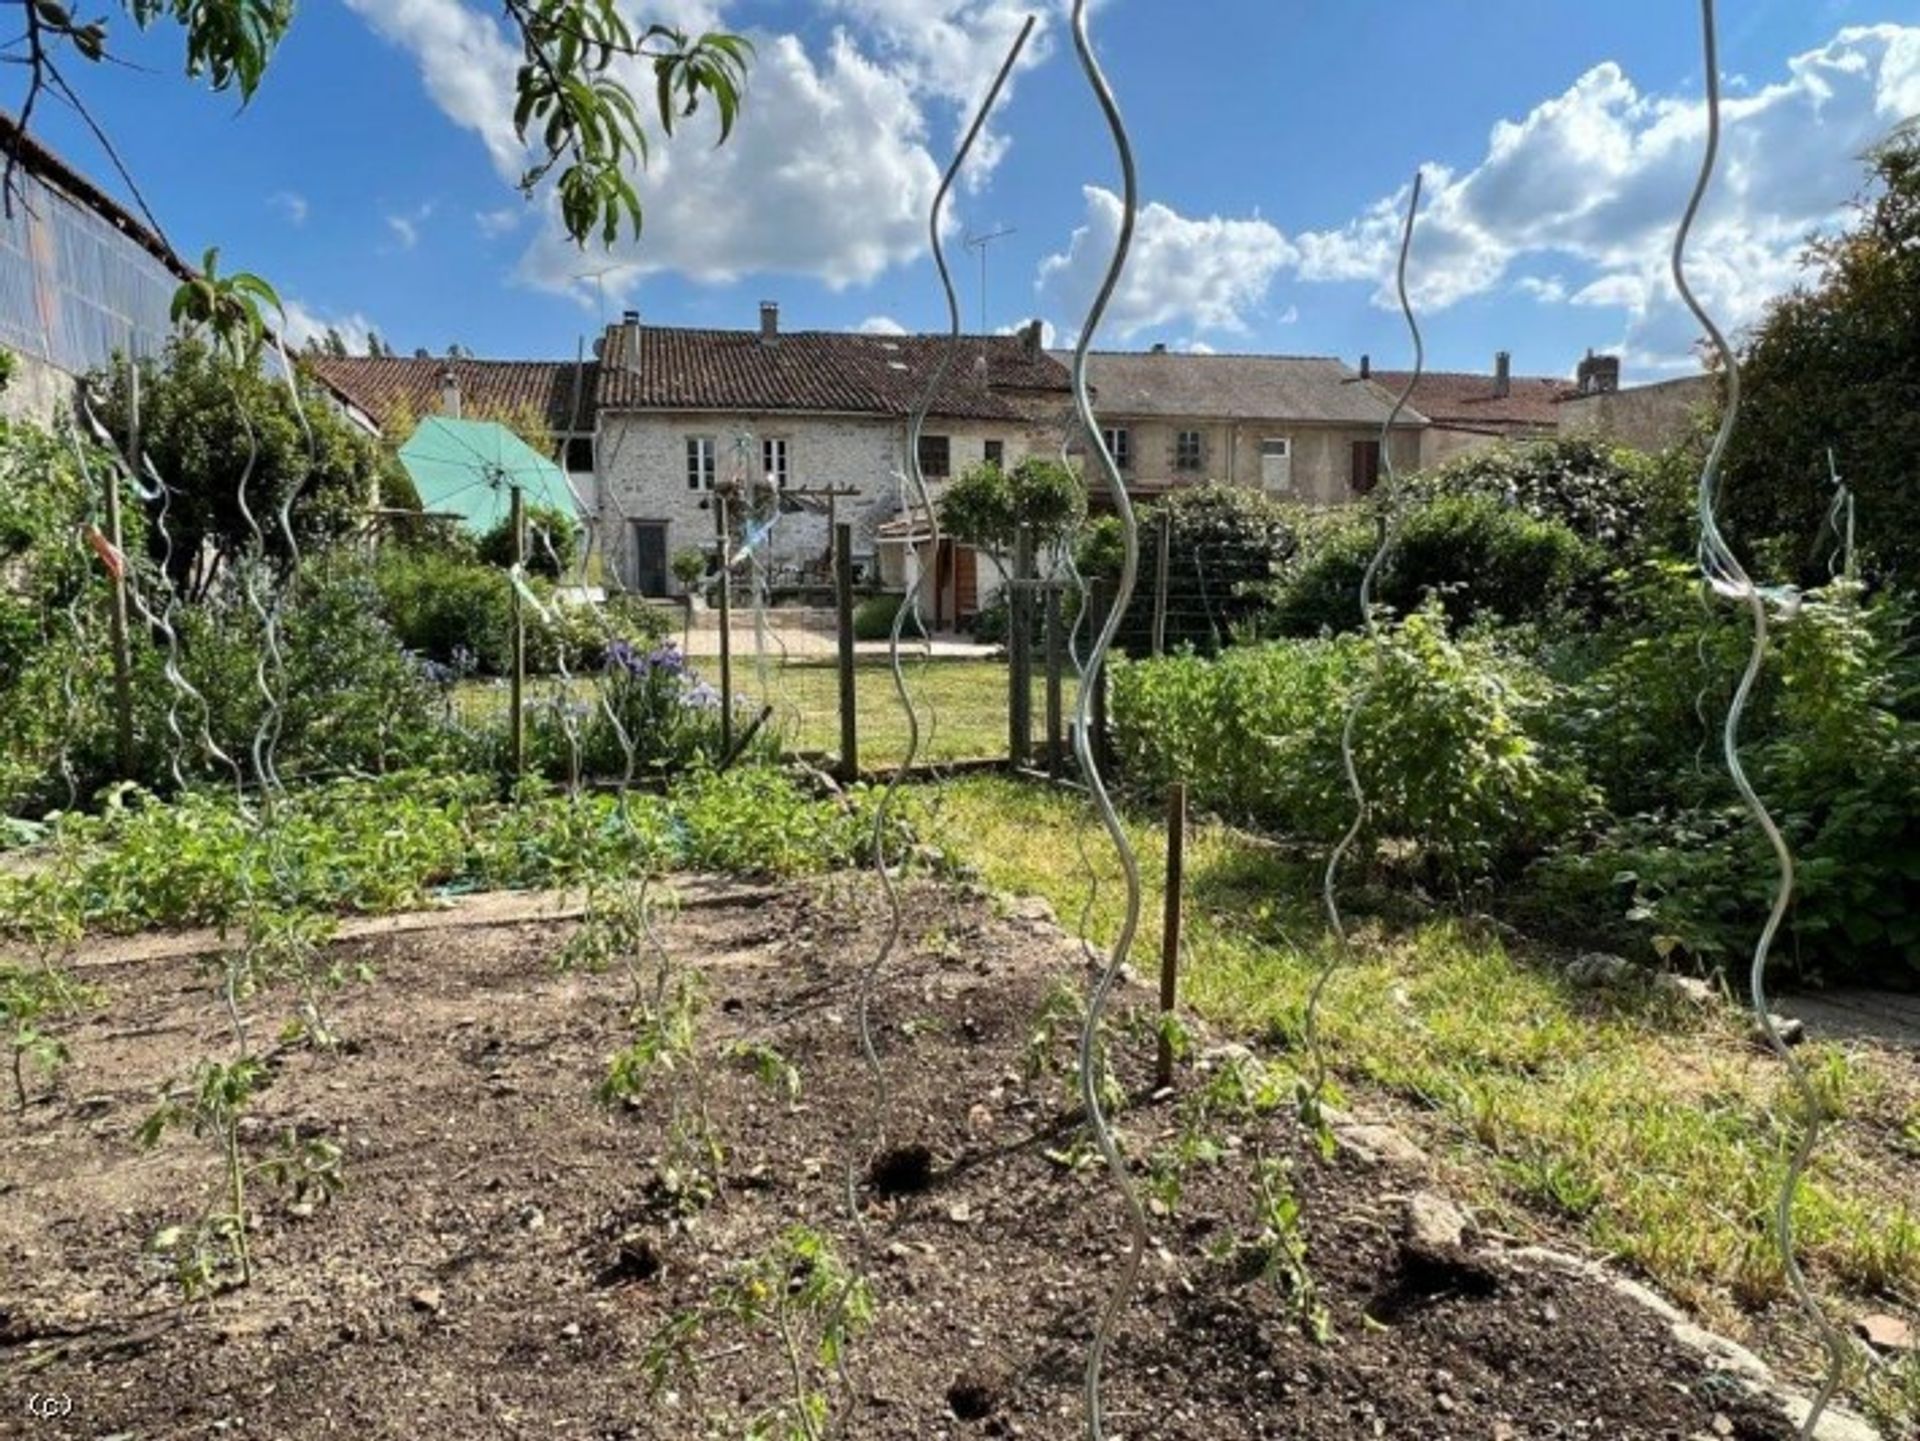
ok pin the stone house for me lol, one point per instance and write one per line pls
(812, 425)
(1303, 428)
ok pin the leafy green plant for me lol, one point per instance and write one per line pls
(1276, 1250)
(799, 1292)
(214, 1247)
(29, 1000)
(773, 1069)
(665, 1054)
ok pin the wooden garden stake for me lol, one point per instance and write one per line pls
(843, 605)
(1170, 933)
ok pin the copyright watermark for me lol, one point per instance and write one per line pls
(49, 1405)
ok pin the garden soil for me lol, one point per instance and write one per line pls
(503, 1254)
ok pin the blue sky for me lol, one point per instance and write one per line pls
(370, 178)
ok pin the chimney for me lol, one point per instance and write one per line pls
(1160, 347)
(1366, 367)
(1502, 374)
(1030, 339)
(1598, 374)
(769, 321)
(449, 394)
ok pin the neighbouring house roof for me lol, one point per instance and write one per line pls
(1178, 385)
(1457, 400)
(468, 468)
(404, 389)
(994, 377)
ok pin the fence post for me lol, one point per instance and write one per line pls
(1163, 564)
(1170, 932)
(1056, 665)
(517, 680)
(724, 530)
(843, 604)
(1020, 650)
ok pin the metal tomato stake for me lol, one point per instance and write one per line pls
(1728, 578)
(1310, 1026)
(1089, 1068)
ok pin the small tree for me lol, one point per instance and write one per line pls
(987, 506)
(208, 421)
(1836, 366)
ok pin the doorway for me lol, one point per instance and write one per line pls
(650, 557)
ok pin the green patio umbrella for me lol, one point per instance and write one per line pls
(467, 469)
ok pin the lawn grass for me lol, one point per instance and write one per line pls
(1643, 1126)
(962, 703)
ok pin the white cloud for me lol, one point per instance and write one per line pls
(505, 220)
(825, 175)
(466, 62)
(828, 174)
(304, 324)
(406, 228)
(1598, 176)
(881, 325)
(292, 205)
(1206, 274)
(1548, 290)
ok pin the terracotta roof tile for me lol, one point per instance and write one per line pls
(390, 388)
(989, 378)
(1463, 400)
(1178, 385)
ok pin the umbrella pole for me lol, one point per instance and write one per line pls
(518, 680)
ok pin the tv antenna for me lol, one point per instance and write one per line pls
(979, 244)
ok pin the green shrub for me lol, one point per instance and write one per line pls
(1448, 746)
(553, 541)
(1481, 558)
(873, 617)
(1832, 745)
(1605, 494)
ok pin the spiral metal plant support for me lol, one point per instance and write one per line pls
(1089, 1056)
(1841, 565)
(1729, 579)
(1329, 888)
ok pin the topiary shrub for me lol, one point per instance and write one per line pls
(873, 617)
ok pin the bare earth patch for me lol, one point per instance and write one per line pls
(499, 1259)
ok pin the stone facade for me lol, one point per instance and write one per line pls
(1318, 468)
(1646, 417)
(643, 474)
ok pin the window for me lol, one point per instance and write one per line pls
(580, 454)
(1366, 466)
(936, 456)
(996, 453)
(700, 462)
(1276, 462)
(1119, 446)
(773, 461)
(1189, 450)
